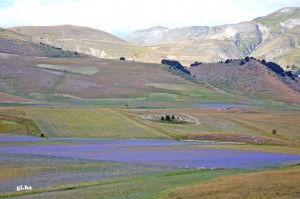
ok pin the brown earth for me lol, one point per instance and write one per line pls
(252, 79)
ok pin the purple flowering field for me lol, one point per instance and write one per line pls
(152, 152)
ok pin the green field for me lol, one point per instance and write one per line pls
(87, 70)
(251, 125)
(89, 122)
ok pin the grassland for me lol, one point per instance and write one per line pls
(250, 125)
(14, 120)
(265, 184)
(79, 70)
(69, 178)
(90, 122)
(55, 177)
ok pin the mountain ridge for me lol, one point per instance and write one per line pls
(229, 41)
(89, 41)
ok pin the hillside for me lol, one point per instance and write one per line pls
(252, 79)
(19, 44)
(97, 81)
(281, 37)
(89, 41)
(76, 79)
(274, 37)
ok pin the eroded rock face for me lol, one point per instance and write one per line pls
(291, 23)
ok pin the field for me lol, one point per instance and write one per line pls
(266, 184)
(84, 129)
(90, 122)
(111, 168)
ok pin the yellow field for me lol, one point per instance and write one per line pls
(266, 184)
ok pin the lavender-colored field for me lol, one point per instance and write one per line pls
(219, 105)
(20, 139)
(152, 152)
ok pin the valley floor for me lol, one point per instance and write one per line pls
(133, 155)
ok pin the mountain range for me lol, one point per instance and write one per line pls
(274, 37)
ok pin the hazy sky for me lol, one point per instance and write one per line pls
(121, 17)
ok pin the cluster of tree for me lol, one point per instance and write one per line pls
(167, 118)
(50, 46)
(175, 65)
(228, 61)
(274, 67)
(277, 69)
(196, 64)
(243, 61)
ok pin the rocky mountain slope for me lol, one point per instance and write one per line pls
(89, 41)
(281, 36)
(274, 37)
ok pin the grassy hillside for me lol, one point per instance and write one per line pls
(86, 80)
(19, 44)
(274, 19)
(89, 41)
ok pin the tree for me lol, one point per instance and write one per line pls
(162, 118)
(168, 118)
(122, 58)
(173, 117)
(242, 62)
(247, 59)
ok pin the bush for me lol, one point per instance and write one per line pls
(289, 73)
(247, 59)
(122, 58)
(196, 64)
(173, 117)
(162, 118)
(242, 62)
